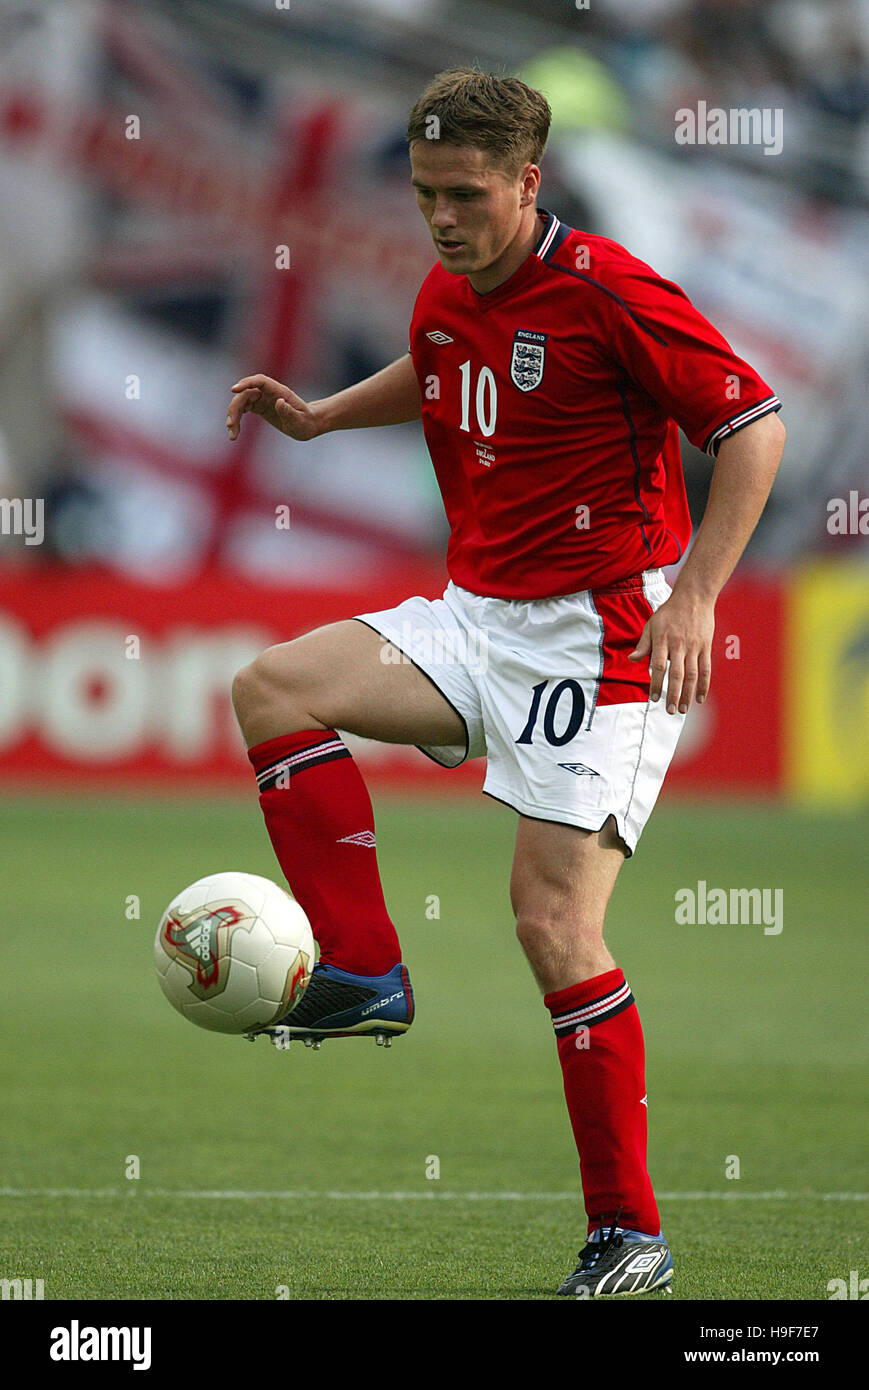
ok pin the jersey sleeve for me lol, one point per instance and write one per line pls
(669, 349)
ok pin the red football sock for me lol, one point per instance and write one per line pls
(319, 818)
(600, 1047)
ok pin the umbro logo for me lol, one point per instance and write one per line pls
(642, 1264)
(378, 1003)
(362, 837)
(439, 338)
(579, 769)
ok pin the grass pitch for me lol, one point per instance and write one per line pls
(266, 1174)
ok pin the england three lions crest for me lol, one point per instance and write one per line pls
(528, 360)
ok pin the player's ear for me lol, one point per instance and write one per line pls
(530, 183)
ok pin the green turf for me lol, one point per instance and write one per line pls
(754, 1050)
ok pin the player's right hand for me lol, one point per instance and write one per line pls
(277, 404)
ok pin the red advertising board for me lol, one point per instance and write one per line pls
(104, 680)
(735, 742)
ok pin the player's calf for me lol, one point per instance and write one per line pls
(291, 702)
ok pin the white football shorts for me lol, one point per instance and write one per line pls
(547, 694)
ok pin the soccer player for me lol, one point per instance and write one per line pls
(552, 371)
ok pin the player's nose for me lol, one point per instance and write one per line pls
(443, 217)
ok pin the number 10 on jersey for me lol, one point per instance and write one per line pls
(486, 399)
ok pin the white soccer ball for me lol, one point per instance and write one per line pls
(234, 952)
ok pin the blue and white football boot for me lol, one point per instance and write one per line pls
(619, 1262)
(337, 1004)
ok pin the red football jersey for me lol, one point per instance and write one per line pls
(551, 408)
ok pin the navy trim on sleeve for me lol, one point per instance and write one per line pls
(738, 422)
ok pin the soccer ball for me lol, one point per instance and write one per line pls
(234, 952)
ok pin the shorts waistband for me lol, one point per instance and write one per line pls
(634, 582)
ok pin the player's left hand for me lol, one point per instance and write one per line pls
(680, 634)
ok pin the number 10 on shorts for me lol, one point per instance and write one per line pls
(577, 710)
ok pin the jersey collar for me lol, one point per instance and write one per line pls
(549, 235)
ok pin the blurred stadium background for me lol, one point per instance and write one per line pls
(158, 161)
(155, 157)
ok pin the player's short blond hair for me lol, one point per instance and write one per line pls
(499, 114)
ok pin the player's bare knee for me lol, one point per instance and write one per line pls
(267, 689)
(541, 926)
(550, 938)
(243, 686)
(538, 934)
(544, 949)
(252, 687)
(533, 939)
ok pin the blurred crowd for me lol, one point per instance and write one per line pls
(658, 55)
(154, 155)
(807, 58)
